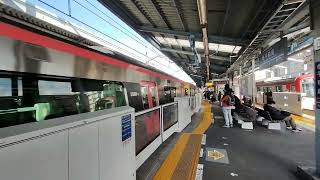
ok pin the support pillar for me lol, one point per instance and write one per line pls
(315, 19)
(240, 83)
(253, 84)
(303, 171)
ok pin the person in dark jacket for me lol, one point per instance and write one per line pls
(281, 115)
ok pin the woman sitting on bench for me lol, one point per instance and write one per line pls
(281, 115)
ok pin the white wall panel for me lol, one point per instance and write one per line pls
(117, 158)
(83, 153)
(45, 158)
(184, 112)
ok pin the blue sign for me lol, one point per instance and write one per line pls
(126, 127)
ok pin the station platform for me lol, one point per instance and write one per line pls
(205, 150)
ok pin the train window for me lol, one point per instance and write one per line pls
(20, 93)
(153, 91)
(25, 99)
(105, 95)
(258, 89)
(54, 88)
(5, 87)
(167, 94)
(308, 88)
(144, 94)
(278, 88)
(134, 95)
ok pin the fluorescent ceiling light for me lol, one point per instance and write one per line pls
(279, 66)
(295, 60)
(226, 48)
(199, 44)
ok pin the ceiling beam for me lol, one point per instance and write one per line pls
(144, 13)
(177, 51)
(160, 13)
(212, 38)
(226, 15)
(176, 4)
(211, 56)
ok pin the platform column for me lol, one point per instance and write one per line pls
(240, 82)
(315, 18)
(253, 84)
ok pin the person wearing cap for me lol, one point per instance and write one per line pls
(281, 115)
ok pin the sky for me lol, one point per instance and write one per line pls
(93, 21)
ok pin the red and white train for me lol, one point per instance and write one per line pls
(293, 94)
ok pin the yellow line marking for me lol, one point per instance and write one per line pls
(303, 120)
(168, 167)
(206, 120)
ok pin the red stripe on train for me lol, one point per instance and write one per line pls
(30, 37)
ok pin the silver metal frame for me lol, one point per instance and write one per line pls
(147, 110)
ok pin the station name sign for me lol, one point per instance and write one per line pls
(273, 55)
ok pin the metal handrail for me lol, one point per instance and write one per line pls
(168, 104)
(146, 111)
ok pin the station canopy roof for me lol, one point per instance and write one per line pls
(173, 26)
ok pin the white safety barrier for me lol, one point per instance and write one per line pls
(164, 120)
(184, 112)
(154, 126)
(97, 145)
(198, 98)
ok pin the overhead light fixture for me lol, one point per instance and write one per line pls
(295, 60)
(279, 66)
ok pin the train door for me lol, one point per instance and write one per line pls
(148, 123)
(149, 94)
(307, 94)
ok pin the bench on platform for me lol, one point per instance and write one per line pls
(268, 121)
(246, 117)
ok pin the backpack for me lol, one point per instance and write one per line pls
(231, 101)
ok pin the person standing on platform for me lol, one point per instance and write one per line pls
(227, 103)
(219, 96)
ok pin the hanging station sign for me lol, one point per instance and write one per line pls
(273, 55)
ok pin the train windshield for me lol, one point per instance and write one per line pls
(308, 87)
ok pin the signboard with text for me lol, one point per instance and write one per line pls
(273, 55)
(126, 127)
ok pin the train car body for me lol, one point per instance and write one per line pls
(43, 78)
(295, 95)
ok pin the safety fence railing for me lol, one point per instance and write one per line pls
(153, 126)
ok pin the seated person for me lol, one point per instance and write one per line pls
(281, 115)
(243, 112)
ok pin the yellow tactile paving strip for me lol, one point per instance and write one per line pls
(181, 163)
(206, 119)
(189, 159)
(303, 120)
